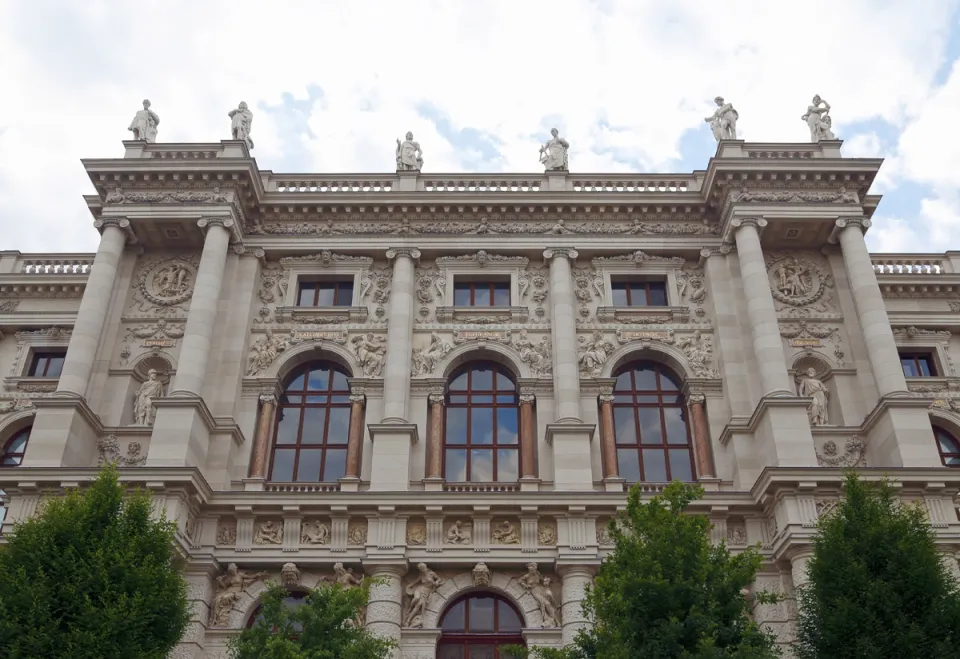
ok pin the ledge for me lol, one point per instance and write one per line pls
(743, 425)
(214, 424)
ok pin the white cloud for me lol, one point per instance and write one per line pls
(74, 74)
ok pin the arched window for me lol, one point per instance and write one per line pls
(650, 425)
(481, 439)
(479, 625)
(291, 601)
(14, 449)
(949, 447)
(312, 426)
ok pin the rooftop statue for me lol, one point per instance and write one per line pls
(241, 120)
(553, 154)
(723, 122)
(409, 155)
(818, 120)
(144, 124)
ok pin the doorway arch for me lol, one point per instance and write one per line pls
(477, 626)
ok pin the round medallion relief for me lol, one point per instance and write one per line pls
(169, 281)
(795, 281)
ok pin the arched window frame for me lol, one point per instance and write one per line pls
(635, 456)
(15, 448)
(464, 637)
(504, 403)
(949, 447)
(298, 407)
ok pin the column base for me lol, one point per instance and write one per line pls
(898, 434)
(64, 434)
(349, 484)
(433, 484)
(529, 484)
(254, 484)
(613, 483)
(390, 464)
(572, 462)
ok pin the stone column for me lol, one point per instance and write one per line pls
(566, 374)
(608, 440)
(261, 442)
(92, 315)
(576, 578)
(202, 317)
(799, 561)
(767, 344)
(355, 437)
(871, 311)
(435, 439)
(528, 438)
(701, 437)
(385, 606)
(396, 379)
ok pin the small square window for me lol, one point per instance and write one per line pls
(325, 293)
(46, 364)
(481, 294)
(639, 293)
(918, 364)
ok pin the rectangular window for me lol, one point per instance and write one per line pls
(639, 293)
(918, 364)
(325, 293)
(46, 364)
(481, 294)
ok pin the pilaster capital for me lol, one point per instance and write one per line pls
(576, 571)
(436, 399)
(527, 399)
(357, 397)
(606, 399)
(385, 569)
(206, 222)
(566, 252)
(696, 399)
(409, 252)
(723, 250)
(757, 222)
(121, 223)
(268, 399)
(862, 223)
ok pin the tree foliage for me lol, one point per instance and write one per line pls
(665, 592)
(321, 628)
(877, 586)
(91, 577)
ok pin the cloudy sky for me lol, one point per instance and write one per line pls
(480, 82)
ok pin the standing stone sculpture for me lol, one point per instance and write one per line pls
(143, 410)
(553, 154)
(723, 122)
(818, 120)
(419, 591)
(409, 155)
(241, 120)
(345, 576)
(229, 586)
(144, 124)
(810, 385)
(539, 587)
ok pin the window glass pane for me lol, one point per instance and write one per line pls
(306, 295)
(658, 294)
(455, 469)
(460, 383)
(338, 429)
(308, 469)
(508, 468)
(926, 368)
(506, 655)
(461, 295)
(628, 464)
(507, 425)
(507, 399)
(623, 382)
(501, 295)
(54, 366)
(325, 295)
(480, 651)
(19, 444)
(481, 614)
(12, 461)
(619, 294)
(459, 399)
(453, 619)
(481, 466)
(654, 465)
(651, 432)
(316, 400)
(296, 384)
(625, 429)
(680, 465)
(648, 399)
(645, 378)
(313, 422)
(282, 465)
(340, 382)
(481, 400)
(456, 425)
(668, 381)
(504, 383)
(947, 443)
(676, 425)
(344, 295)
(909, 367)
(482, 379)
(482, 295)
(507, 618)
(288, 425)
(451, 652)
(335, 465)
(319, 379)
(287, 399)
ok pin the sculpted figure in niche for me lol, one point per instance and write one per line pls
(553, 154)
(144, 124)
(723, 122)
(458, 534)
(241, 120)
(425, 360)
(793, 279)
(539, 587)
(345, 576)
(143, 410)
(697, 352)
(370, 350)
(537, 355)
(409, 154)
(810, 385)
(419, 592)
(818, 120)
(269, 533)
(264, 351)
(505, 534)
(315, 533)
(595, 352)
(171, 281)
(229, 586)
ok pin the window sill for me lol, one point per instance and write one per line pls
(643, 315)
(31, 384)
(932, 384)
(483, 315)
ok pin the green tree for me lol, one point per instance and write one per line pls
(91, 577)
(877, 586)
(666, 592)
(321, 628)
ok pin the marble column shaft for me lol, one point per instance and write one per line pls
(701, 437)
(385, 605)
(400, 317)
(573, 591)
(528, 438)
(566, 373)
(871, 310)
(798, 567)
(608, 440)
(435, 440)
(355, 435)
(261, 443)
(92, 315)
(202, 317)
(762, 315)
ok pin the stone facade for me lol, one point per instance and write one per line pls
(779, 327)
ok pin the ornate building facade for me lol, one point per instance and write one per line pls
(449, 381)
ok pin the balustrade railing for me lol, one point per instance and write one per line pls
(335, 185)
(54, 264)
(910, 264)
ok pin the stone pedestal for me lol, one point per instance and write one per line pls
(390, 466)
(572, 470)
(385, 605)
(575, 578)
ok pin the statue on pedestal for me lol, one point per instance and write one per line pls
(553, 154)
(409, 155)
(818, 120)
(144, 124)
(143, 409)
(241, 120)
(723, 122)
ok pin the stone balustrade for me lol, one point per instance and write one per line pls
(48, 264)
(911, 264)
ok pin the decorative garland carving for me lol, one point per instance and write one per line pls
(375, 283)
(693, 292)
(854, 453)
(841, 196)
(273, 288)
(483, 257)
(511, 223)
(326, 258)
(588, 284)
(109, 449)
(533, 284)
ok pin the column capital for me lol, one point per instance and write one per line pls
(527, 399)
(566, 252)
(436, 399)
(723, 250)
(206, 222)
(757, 222)
(386, 569)
(583, 571)
(607, 398)
(270, 398)
(862, 222)
(122, 223)
(357, 397)
(411, 252)
(696, 399)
